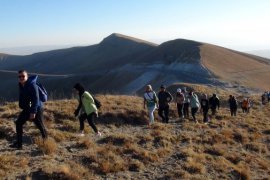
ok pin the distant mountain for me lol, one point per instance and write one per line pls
(123, 64)
(262, 53)
(108, 53)
(28, 50)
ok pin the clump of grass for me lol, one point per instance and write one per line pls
(163, 152)
(264, 164)
(59, 172)
(135, 165)
(215, 150)
(235, 158)
(122, 110)
(177, 173)
(194, 167)
(241, 172)
(227, 135)
(48, 146)
(240, 137)
(256, 147)
(109, 161)
(5, 132)
(87, 143)
(117, 139)
(144, 139)
(70, 126)
(23, 162)
(60, 136)
(66, 173)
(7, 163)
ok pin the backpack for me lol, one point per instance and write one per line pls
(97, 102)
(43, 95)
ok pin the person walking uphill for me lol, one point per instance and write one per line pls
(86, 109)
(194, 104)
(164, 98)
(180, 99)
(205, 107)
(31, 105)
(186, 103)
(214, 104)
(150, 100)
(233, 105)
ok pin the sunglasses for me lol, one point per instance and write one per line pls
(21, 76)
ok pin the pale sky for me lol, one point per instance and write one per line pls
(238, 24)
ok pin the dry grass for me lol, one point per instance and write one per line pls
(227, 148)
(242, 171)
(87, 143)
(194, 167)
(48, 146)
(6, 164)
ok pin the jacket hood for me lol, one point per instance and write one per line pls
(32, 79)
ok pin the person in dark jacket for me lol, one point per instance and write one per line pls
(233, 105)
(205, 108)
(164, 98)
(32, 107)
(214, 104)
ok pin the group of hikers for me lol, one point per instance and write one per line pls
(186, 100)
(32, 96)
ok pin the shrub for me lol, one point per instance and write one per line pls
(48, 146)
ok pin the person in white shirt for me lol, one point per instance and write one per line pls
(150, 100)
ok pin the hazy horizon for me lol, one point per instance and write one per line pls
(239, 25)
(28, 50)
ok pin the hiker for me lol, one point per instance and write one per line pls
(150, 100)
(31, 105)
(214, 104)
(245, 105)
(233, 105)
(205, 108)
(264, 98)
(164, 99)
(194, 104)
(250, 104)
(180, 99)
(86, 109)
(186, 103)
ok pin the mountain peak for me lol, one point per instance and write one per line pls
(116, 37)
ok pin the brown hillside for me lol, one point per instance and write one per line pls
(235, 67)
(124, 65)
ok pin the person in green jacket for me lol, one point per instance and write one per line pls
(86, 109)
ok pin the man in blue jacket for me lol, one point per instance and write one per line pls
(32, 107)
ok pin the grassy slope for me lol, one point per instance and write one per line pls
(227, 148)
(231, 66)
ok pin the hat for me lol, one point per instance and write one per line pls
(179, 90)
(163, 86)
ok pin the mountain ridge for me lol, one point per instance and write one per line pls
(123, 65)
